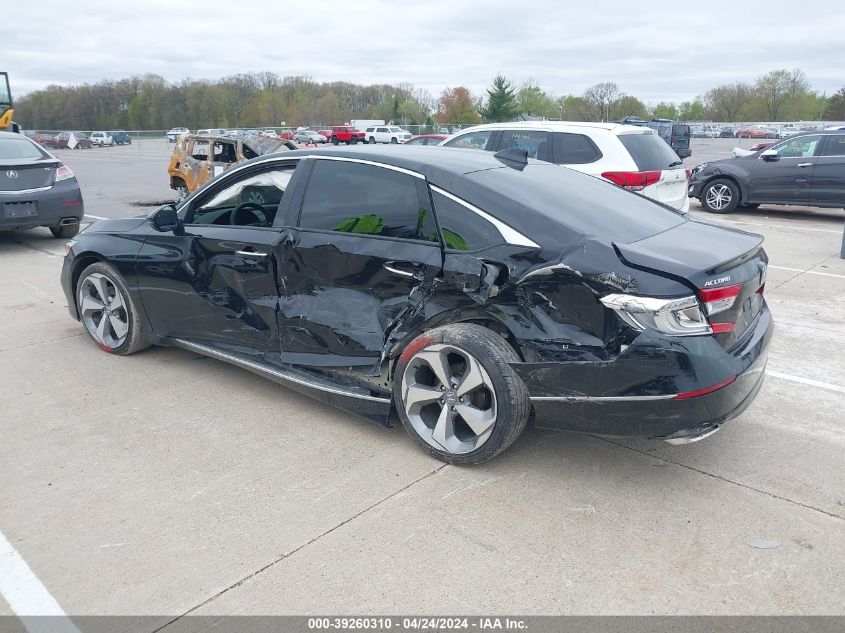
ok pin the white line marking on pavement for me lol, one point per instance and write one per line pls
(810, 272)
(25, 594)
(95, 217)
(774, 226)
(806, 381)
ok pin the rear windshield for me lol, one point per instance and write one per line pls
(650, 152)
(12, 148)
(581, 203)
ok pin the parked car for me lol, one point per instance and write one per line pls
(469, 290)
(197, 159)
(287, 134)
(633, 157)
(79, 140)
(426, 139)
(270, 134)
(727, 132)
(101, 139)
(309, 136)
(214, 131)
(386, 134)
(45, 140)
(37, 189)
(326, 133)
(121, 137)
(805, 169)
(345, 134)
(174, 133)
(755, 131)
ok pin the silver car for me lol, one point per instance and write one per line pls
(309, 136)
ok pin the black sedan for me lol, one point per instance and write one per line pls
(465, 290)
(804, 169)
(36, 189)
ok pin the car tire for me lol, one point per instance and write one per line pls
(335, 140)
(393, 141)
(65, 231)
(497, 400)
(354, 140)
(118, 330)
(373, 140)
(720, 196)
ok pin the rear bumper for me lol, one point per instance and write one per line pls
(637, 394)
(62, 200)
(683, 152)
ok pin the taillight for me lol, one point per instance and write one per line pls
(719, 299)
(633, 180)
(677, 317)
(706, 390)
(63, 173)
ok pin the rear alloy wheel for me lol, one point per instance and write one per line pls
(394, 141)
(372, 140)
(720, 196)
(107, 311)
(457, 394)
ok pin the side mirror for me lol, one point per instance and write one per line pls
(770, 154)
(165, 218)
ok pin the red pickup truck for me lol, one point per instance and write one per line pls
(345, 134)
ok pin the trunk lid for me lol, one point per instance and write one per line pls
(22, 175)
(713, 261)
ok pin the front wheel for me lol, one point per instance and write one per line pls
(107, 311)
(457, 394)
(393, 141)
(335, 140)
(720, 196)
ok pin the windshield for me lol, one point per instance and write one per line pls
(650, 152)
(19, 148)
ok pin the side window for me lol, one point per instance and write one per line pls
(251, 201)
(370, 129)
(200, 150)
(574, 149)
(355, 198)
(224, 152)
(536, 143)
(472, 140)
(801, 147)
(382, 129)
(463, 229)
(835, 146)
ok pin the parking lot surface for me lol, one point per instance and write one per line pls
(165, 483)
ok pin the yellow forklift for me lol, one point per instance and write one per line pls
(6, 111)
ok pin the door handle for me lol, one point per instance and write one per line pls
(395, 268)
(251, 254)
(804, 164)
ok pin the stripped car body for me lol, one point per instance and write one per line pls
(622, 317)
(198, 159)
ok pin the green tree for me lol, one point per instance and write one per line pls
(664, 110)
(600, 100)
(692, 110)
(834, 109)
(531, 99)
(729, 102)
(628, 106)
(774, 89)
(501, 101)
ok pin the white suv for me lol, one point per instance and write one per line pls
(386, 134)
(630, 156)
(101, 138)
(175, 132)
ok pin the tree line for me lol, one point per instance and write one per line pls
(267, 99)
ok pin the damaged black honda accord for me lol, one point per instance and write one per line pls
(463, 291)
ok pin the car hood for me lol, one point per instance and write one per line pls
(122, 225)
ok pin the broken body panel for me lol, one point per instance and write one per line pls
(329, 313)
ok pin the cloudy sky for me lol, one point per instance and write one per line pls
(655, 50)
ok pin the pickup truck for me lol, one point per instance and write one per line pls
(345, 134)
